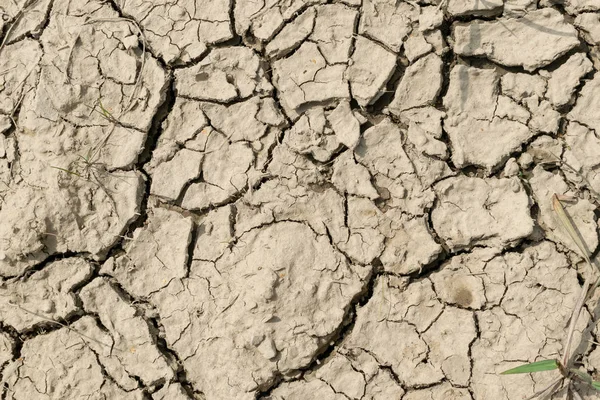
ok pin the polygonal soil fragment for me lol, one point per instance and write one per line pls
(370, 69)
(380, 150)
(352, 178)
(486, 143)
(541, 36)
(345, 125)
(420, 85)
(590, 30)
(268, 305)
(169, 185)
(64, 364)
(565, 79)
(44, 296)
(578, 6)
(387, 21)
(416, 46)
(310, 135)
(333, 30)
(292, 35)
(409, 246)
(529, 325)
(425, 130)
(520, 86)
(474, 211)
(477, 136)
(156, 254)
(137, 355)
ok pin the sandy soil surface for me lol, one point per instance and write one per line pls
(294, 199)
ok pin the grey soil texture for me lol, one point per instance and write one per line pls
(294, 199)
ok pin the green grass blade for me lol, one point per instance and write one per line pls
(538, 366)
(582, 375)
(564, 219)
(596, 385)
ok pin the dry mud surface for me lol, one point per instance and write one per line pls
(293, 199)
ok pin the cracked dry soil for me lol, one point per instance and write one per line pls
(293, 199)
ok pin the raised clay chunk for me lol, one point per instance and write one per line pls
(565, 79)
(380, 150)
(345, 125)
(420, 85)
(519, 86)
(589, 23)
(472, 92)
(541, 37)
(352, 178)
(292, 35)
(370, 68)
(481, 212)
(387, 21)
(409, 245)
